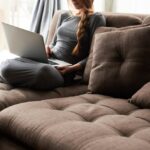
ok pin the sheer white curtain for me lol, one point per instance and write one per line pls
(105, 5)
(16, 12)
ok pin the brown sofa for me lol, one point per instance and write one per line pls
(96, 113)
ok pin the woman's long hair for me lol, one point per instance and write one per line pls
(84, 13)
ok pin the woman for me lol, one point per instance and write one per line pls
(71, 43)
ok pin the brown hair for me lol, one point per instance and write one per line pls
(84, 14)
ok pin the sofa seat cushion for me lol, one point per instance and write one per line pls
(11, 96)
(85, 122)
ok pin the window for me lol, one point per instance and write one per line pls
(133, 6)
(15, 12)
(99, 5)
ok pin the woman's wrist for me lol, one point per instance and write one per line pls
(76, 67)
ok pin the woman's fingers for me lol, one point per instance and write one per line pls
(62, 69)
(65, 69)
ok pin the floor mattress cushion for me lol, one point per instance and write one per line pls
(84, 122)
(11, 96)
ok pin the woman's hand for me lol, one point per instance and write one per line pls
(68, 69)
(48, 51)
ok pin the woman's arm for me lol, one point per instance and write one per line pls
(49, 47)
(61, 18)
(82, 63)
(68, 69)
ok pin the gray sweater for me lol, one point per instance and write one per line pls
(65, 38)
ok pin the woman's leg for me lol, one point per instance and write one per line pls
(27, 73)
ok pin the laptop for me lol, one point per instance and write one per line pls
(30, 45)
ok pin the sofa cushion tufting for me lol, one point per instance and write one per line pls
(121, 63)
(10, 96)
(82, 122)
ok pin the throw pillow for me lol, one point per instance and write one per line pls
(99, 30)
(121, 63)
(142, 97)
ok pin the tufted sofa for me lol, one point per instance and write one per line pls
(83, 116)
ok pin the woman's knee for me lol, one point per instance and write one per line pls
(43, 71)
(48, 78)
(47, 72)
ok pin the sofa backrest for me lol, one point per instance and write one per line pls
(53, 25)
(112, 20)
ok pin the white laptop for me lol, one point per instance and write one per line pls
(28, 45)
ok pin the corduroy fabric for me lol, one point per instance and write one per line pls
(84, 122)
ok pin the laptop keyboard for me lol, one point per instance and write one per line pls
(52, 63)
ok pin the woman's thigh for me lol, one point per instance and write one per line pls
(27, 73)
